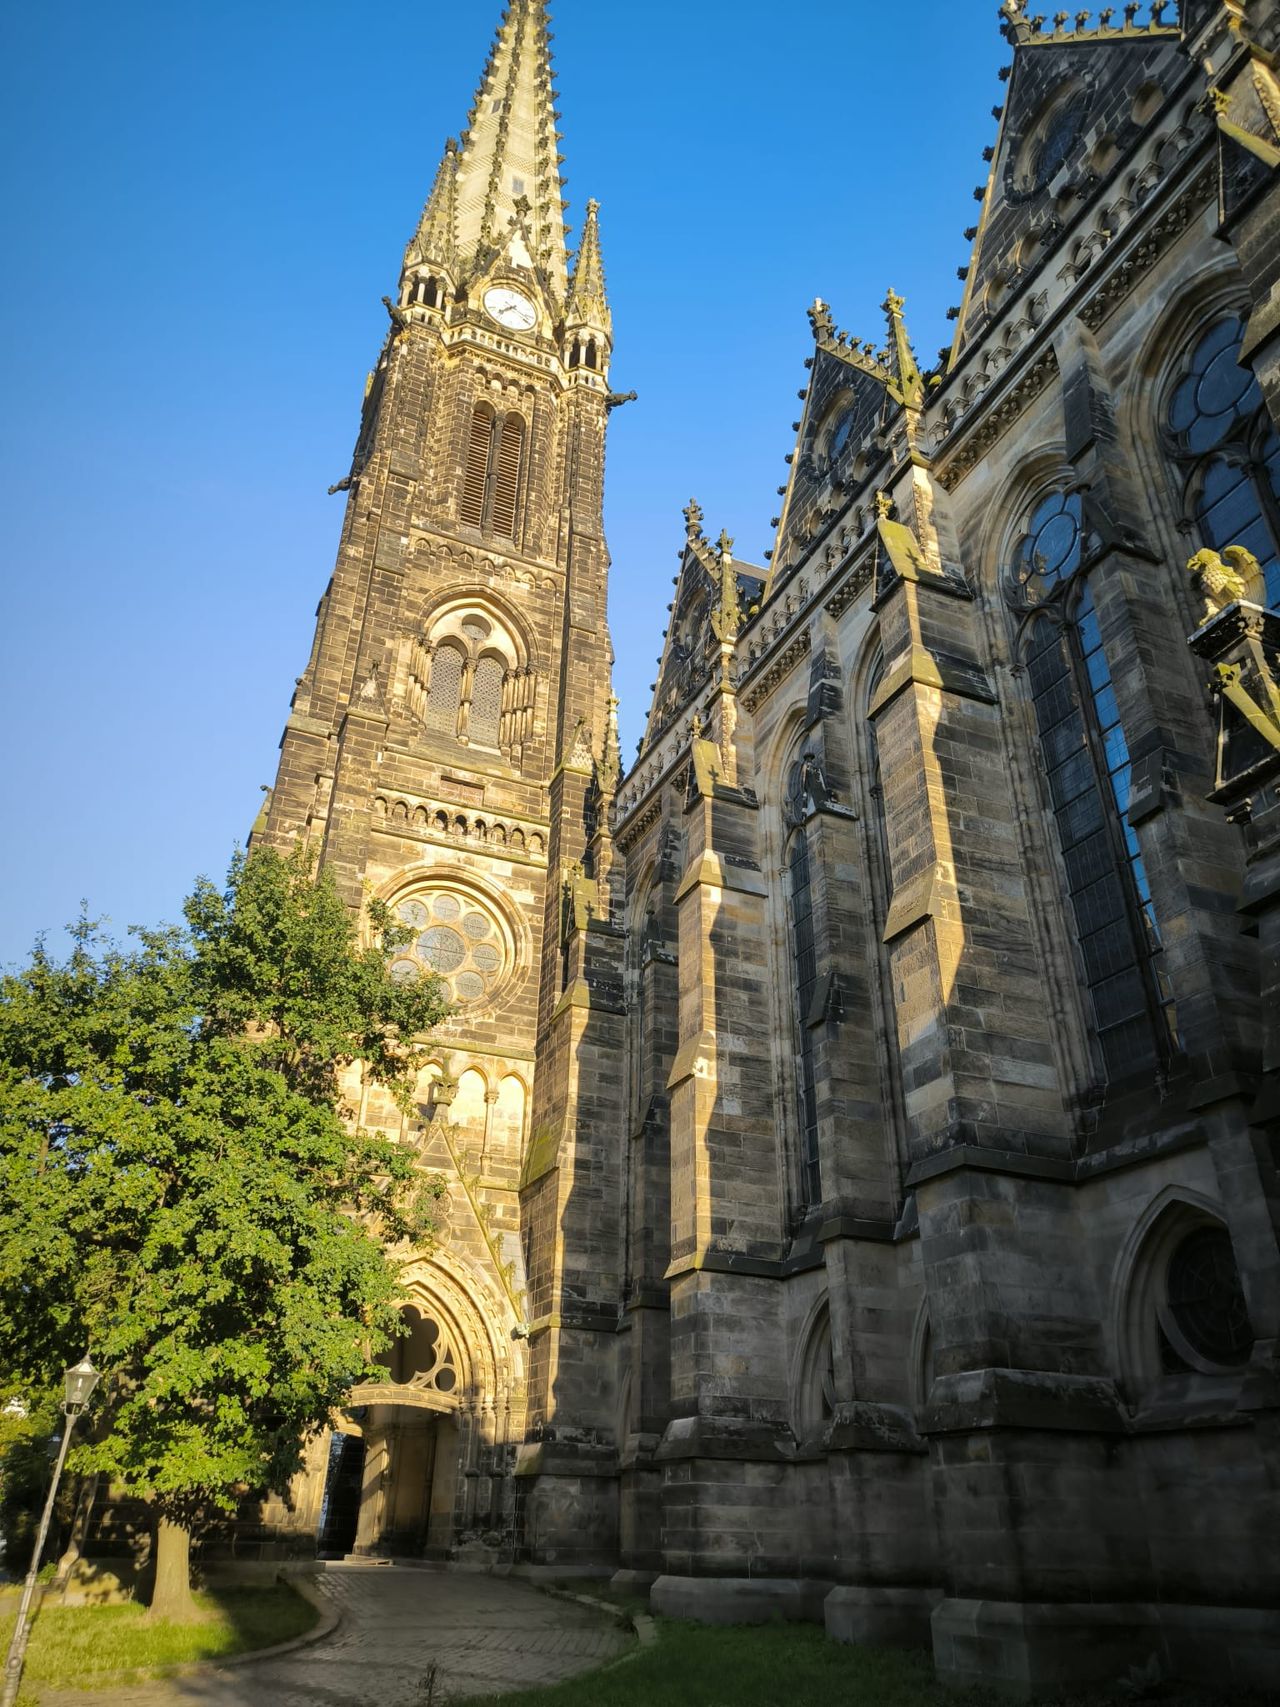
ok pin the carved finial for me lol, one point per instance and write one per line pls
(820, 319)
(884, 503)
(693, 519)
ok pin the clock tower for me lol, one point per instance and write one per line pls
(443, 750)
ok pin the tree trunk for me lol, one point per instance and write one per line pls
(171, 1601)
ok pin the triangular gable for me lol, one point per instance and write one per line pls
(1069, 93)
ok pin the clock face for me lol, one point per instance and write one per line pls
(509, 308)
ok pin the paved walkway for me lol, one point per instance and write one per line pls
(483, 1634)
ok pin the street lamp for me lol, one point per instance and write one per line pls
(79, 1383)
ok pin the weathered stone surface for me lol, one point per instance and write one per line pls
(883, 1210)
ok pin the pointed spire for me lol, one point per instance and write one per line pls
(907, 385)
(436, 236)
(510, 156)
(588, 303)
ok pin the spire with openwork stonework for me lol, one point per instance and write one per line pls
(509, 190)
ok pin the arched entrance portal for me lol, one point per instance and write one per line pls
(419, 1461)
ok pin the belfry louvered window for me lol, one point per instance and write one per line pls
(479, 450)
(1086, 766)
(506, 480)
(1221, 434)
(491, 482)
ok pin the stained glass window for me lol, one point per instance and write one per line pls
(1225, 439)
(1206, 1300)
(1086, 765)
(457, 939)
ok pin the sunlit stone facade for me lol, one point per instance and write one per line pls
(860, 1118)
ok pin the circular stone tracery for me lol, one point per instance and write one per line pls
(458, 939)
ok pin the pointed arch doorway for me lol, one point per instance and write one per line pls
(420, 1458)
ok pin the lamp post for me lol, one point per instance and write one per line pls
(79, 1384)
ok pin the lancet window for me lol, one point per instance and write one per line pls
(1226, 447)
(494, 467)
(1085, 760)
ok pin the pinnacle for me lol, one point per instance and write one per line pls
(436, 235)
(588, 301)
(908, 386)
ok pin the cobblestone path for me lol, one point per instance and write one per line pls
(482, 1634)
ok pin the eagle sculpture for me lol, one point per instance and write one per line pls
(1226, 576)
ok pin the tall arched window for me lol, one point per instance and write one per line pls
(804, 969)
(506, 477)
(479, 450)
(445, 690)
(491, 481)
(1226, 445)
(1085, 761)
(486, 702)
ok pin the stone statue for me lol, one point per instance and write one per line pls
(1223, 577)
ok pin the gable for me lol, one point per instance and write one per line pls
(1073, 108)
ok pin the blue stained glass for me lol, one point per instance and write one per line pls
(1114, 937)
(1104, 705)
(1182, 408)
(1116, 748)
(1232, 494)
(1225, 387)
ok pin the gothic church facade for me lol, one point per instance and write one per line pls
(860, 1118)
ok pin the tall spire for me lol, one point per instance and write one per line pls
(436, 236)
(509, 189)
(588, 305)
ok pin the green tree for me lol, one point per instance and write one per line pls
(184, 1193)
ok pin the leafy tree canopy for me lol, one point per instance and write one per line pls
(183, 1191)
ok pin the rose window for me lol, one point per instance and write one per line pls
(457, 939)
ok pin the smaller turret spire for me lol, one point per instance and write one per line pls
(588, 304)
(436, 236)
(907, 386)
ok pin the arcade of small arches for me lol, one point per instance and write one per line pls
(425, 819)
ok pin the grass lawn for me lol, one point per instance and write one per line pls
(76, 1645)
(785, 1665)
(764, 1665)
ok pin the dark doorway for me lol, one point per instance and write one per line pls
(340, 1512)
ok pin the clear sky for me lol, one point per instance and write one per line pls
(205, 203)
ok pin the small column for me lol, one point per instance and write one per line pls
(377, 1464)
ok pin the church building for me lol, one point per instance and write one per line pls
(861, 1118)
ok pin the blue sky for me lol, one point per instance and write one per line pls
(205, 203)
